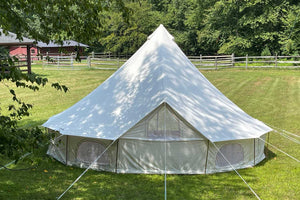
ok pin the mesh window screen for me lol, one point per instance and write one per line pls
(234, 153)
(160, 119)
(89, 151)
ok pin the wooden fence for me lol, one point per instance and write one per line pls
(21, 63)
(105, 63)
(229, 61)
(64, 62)
(212, 62)
(267, 61)
(111, 62)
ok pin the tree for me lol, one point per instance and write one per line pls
(290, 41)
(246, 26)
(42, 21)
(15, 141)
(56, 20)
(125, 38)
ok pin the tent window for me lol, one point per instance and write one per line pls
(234, 153)
(157, 124)
(89, 151)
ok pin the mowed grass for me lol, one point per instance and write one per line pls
(272, 96)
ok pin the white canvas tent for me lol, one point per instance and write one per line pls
(159, 114)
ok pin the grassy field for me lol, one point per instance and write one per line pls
(272, 96)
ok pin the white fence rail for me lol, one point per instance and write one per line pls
(64, 62)
(110, 62)
(105, 63)
(268, 61)
(212, 62)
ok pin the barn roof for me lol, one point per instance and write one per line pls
(66, 43)
(11, 40)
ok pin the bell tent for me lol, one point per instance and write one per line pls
(157, 114)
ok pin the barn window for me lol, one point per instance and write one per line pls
(89, 151)
(234, 153)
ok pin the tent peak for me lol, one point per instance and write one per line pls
(161, 31)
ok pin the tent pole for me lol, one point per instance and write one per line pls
(206, 157)
(165, 133)
(254, 151)
(67, 148)
(117, 155)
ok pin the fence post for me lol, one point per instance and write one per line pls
(28, 59)
(89, 61)
(58, 62)
(71, 58)
(93, 54)
(43, 62)
(232, 59)
(276, 56)
(246, 61)
(47, 58)
(200, 60)
(216, 63)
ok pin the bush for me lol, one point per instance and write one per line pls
(266, 51)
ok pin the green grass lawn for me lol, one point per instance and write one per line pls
(270, 95)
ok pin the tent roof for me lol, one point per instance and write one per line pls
(11, 39)
(158, 72)
(66, 43)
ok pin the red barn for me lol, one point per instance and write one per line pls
(10, 41)
(41, 48)
(21, 51)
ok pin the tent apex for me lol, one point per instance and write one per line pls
(160, 32)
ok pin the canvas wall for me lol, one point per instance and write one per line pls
(160, 142)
